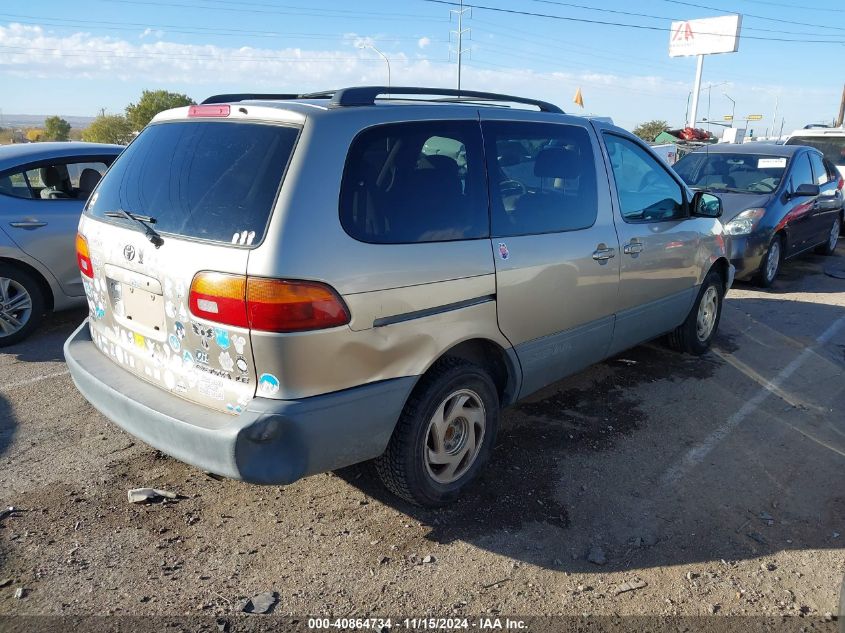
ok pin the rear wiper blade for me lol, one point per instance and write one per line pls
(143, 220)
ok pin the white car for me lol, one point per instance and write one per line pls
(830, 141)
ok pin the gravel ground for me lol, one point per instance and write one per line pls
(652, 484)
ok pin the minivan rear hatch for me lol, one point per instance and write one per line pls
(207, 188)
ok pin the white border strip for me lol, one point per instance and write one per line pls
(30, 381)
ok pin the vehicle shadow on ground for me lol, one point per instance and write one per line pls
(564, 476)
(45, 343)
(582, 414)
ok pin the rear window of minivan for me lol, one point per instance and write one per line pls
(832, 147)
(209, 180)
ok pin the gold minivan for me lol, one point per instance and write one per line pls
(281, 285)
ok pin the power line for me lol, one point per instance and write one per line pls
(197, 56)
(623, 24)
(174, 28)
(297, 10)
(792, 6)
(759, 17)
(661, 17)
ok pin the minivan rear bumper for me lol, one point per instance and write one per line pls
(272, 442)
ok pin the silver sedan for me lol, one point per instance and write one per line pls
(43, 188)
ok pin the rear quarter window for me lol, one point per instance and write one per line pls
(542, 177)
(408, 183)
(210, 180)
(14, 184)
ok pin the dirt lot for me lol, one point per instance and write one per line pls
(712, 485)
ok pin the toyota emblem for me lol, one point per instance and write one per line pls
(129, 252)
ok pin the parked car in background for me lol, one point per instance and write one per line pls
(829, 141)
(282, 286)
(779, 201)
(43, 187)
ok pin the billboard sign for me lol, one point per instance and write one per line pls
(706, 36)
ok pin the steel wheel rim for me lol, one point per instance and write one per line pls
(707, 311)
(454, 436)
(833, 238)
(15, 307)
(773, 260)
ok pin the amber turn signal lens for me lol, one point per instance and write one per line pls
(219, 297)
(83, 256)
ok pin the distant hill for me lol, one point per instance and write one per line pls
(37, 120)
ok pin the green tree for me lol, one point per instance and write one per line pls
(56, 129)
(648, 131)
(151, 103)
(108, 128)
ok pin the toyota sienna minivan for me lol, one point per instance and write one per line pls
(281, 285)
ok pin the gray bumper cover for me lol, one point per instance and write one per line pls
(272, 442)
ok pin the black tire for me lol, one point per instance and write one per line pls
(404, 465)
(686, 338)
(31, 286)
(766, 276)
(829, 247)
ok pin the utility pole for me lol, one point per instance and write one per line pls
(699, 67)
(460, 34)
(841, 120)
(733, 107)
(775, 118)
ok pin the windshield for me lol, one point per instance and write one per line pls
(209, 180)
(741, 173)
(833, 147)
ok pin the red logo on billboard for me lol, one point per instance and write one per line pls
(684, 31)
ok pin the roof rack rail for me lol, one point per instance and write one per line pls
(366, 95)
(248, 96)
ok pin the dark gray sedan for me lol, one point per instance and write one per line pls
(43, 187)
(779, 201)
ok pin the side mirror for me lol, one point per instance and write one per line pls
(706, 205)
(806, 190)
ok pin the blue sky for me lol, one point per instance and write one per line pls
(74, 58)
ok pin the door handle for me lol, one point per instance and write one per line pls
(602, 254)
(28, 224)
(632, 248)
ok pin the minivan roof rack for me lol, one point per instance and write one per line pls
(367, 95)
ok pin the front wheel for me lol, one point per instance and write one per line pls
(829, 247)
(695, 334)
(444, 436)
(21, 306)
(770, 265)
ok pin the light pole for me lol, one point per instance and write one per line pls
(384, 57)
(733, 107)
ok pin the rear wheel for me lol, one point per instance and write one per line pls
(695, 334)
(770, 265)
(21, 305)
(444, 436)
(829, 247)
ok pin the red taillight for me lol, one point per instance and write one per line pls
(83, 256)
(210, 110)
(293, 306)
(841, 183)
(269, 305)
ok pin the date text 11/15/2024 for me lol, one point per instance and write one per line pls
(443, 624)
